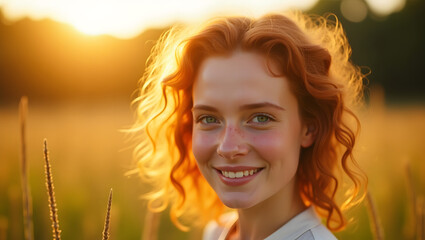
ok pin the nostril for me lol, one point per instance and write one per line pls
(226, 151)
(233, 153)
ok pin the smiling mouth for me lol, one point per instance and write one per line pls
(235, 176)
(240, 173)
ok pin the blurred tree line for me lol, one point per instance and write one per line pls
(50, 61)
(393, 47)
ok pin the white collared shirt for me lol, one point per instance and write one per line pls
(305, 226)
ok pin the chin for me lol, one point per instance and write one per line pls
(237, 202)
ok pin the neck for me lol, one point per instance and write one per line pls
(268, 216)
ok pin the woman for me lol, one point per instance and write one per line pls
(252, 115)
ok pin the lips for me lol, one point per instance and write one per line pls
(237, 175)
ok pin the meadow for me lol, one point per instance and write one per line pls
(89, 155)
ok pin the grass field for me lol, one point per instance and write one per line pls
(89, 156)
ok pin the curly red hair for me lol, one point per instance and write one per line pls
(312, 52)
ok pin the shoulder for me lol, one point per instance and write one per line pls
(321, 232)
(318, 232)
(218, 230)
(304, 226)
(212, 231)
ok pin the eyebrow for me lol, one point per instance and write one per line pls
(244, 107)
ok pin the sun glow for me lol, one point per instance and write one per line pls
(127, 18)
(386, 7)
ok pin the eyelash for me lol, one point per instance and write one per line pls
(202, 117)
(269, 118)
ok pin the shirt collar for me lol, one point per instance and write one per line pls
(294, 228)
(301, 223)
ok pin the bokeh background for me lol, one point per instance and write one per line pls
(79, 63)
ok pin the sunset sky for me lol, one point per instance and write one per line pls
(128, 18)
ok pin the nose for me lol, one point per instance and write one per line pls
(232, 144)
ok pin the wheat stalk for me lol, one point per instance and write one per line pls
(108, 216)
(3, 228)
(420, 211)
(375, 222)
(26, 193)
(51, 195)
(151, 225)
(417, 203)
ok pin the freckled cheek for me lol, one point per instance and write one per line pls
(203, 145)
(271, 145)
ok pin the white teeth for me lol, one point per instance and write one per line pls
(239, 174)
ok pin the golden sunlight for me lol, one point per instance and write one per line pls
(128, 18)
(386, 7)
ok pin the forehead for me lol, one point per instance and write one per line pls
(240, 64)
(239, 78)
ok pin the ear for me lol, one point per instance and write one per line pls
(309, 133)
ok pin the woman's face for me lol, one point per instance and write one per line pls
(247, 131)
